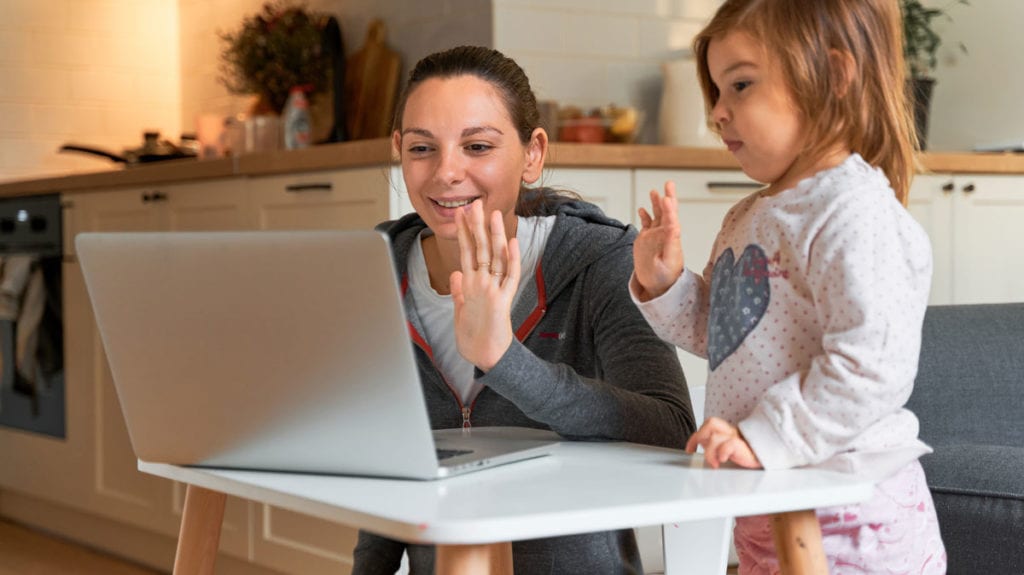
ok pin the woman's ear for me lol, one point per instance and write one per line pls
(843, 69)
(536, 153)
(396, 145)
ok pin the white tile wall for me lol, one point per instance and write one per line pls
(91, 71)
(101, 71)
(595, 52)
(415, 29)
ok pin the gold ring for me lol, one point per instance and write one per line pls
(482, 265)
(497, 274)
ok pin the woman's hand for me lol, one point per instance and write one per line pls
(483, 290)
(722, 441)
(657, 253)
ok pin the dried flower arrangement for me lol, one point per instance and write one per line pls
(274, 50)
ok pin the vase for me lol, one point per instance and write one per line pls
(263, 105)
(920, 92)
(681, 119)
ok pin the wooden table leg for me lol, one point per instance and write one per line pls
(199, 535)
(797, 536)
(490, 559)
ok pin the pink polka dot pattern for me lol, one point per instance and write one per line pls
(822, 377)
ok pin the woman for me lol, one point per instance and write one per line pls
(516, 298)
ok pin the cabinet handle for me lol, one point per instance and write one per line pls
(154, 197)
(727, 186)
(969, 188)
(947, 187)
(322, 187)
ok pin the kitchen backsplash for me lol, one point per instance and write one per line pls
(595, 52)
(583, 52)
(413, 29)
(89, 71)
(98, 72)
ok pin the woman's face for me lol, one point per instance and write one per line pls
(458, 144)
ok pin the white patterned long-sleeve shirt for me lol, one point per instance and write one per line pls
(809, 313)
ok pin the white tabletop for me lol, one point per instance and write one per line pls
(582, 487)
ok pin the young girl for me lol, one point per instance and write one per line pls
(810, 308)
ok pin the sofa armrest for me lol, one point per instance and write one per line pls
(979, 498)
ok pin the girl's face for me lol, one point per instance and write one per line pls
(458, 144)
(757, 117)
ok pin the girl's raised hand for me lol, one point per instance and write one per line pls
(657, 253)
(485, 287)
(722, 442)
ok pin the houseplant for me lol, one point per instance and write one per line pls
(274, 50)
(920, 48)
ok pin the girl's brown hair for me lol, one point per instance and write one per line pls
(865, 106)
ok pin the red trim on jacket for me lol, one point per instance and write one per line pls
(524, 330)
(538, 312)
(421, 341)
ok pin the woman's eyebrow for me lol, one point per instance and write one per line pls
(418, 131)
(480, 129)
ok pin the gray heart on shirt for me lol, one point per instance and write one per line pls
(739, 298)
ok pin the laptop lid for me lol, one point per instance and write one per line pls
(261, 350)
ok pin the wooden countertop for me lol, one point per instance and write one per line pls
(377, 152)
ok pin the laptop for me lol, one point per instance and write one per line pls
(269, 350)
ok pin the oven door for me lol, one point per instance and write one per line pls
(31, 318)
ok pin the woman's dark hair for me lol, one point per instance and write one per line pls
(487, 64)
(512, 84)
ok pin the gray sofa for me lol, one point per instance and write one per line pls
(969, 396)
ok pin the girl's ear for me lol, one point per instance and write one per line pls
(536, 153)
(843, 69)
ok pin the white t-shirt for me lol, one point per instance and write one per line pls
(437, 312)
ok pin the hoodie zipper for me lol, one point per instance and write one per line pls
(524, 330)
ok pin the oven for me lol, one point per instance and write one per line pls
(31, 315)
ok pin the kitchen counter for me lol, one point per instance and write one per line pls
(377, 152)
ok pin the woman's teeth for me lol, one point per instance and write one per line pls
(453, 203)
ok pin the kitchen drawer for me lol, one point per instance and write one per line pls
(328, 200)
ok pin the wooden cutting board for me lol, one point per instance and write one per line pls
(371, 84)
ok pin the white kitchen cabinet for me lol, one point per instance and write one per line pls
(703, 197)
(931, 204)
(974, 225)
(111, 486)
(609, 189)
(329, 200)
(101, 475)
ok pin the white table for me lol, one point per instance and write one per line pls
(583, 487)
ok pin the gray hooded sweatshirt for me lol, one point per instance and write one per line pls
(584, 364)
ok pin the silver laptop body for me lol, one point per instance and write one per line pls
(285, 351)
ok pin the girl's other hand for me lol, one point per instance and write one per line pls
(483, 290)
(657, 253)
(722, 442)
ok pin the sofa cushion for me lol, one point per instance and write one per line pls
(986, 470)
(970, 376)
(979, 498)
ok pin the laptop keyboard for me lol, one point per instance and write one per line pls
(443, 454)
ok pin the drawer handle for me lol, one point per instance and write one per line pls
(969, 188)
(295, 188)
(727, 186)
(154, 197)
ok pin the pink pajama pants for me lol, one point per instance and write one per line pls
(894, 532)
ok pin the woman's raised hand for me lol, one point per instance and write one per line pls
(657, 253)
(485, 287)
